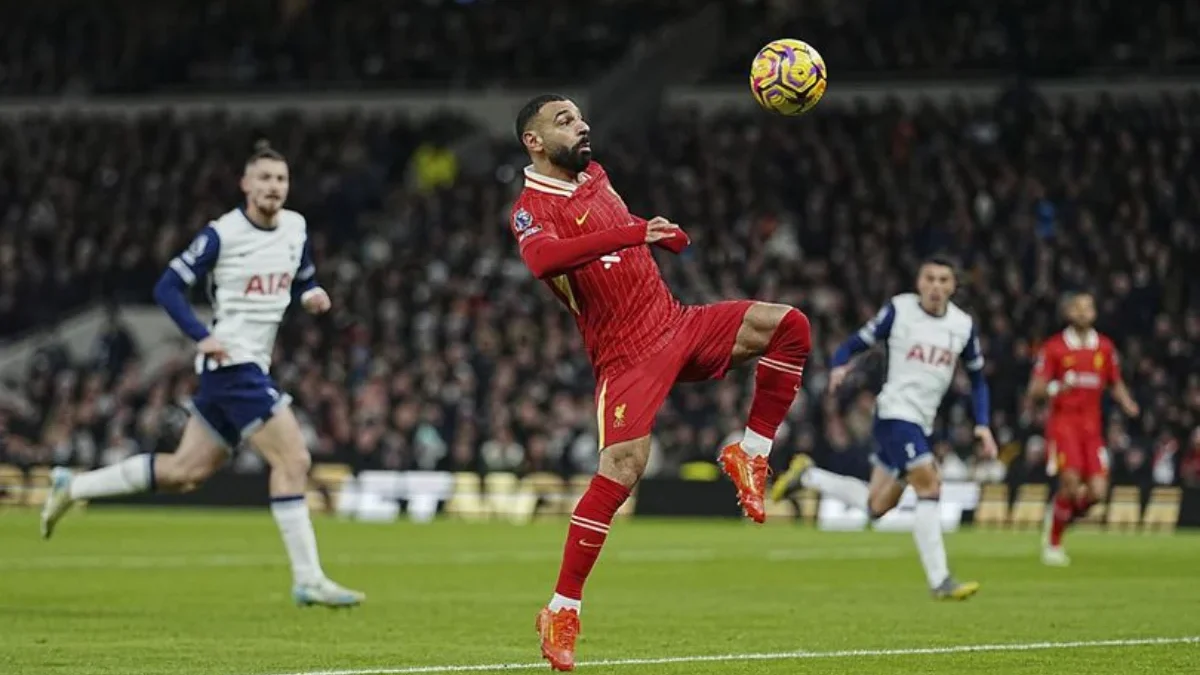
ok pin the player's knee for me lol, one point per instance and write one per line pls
(790, 331)
(925, 481)
(879, 503)
(295, 463)
(878, 506)
(181, 473)
(1069, 483)
(624, 462)
(796, 323)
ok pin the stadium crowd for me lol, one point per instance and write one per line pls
(118, 46)
(443, 352)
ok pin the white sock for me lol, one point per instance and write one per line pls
(558, 602)
(850, 491)
(927, 532)
(130, 475)
(755, 444)
(291, 515)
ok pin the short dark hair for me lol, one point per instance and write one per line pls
(1071, 296)
(531, 109)
(263, 150)
(942, 260)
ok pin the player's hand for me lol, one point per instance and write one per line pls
(987, 443)
(316, 301)
(212, 348)
(1131, 408)
(837, 376)
(677, 243)
(660, 229)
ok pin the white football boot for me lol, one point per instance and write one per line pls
(326, 593)
(58, 502)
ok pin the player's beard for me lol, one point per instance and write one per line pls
(269, 207)
(573, 159)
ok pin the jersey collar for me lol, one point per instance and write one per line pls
(1091, 339)
(554, 186)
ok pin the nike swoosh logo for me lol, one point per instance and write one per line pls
(580, 219)
(588, 544)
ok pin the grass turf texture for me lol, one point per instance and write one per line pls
(198, 592)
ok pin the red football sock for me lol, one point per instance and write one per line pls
(777, 378)
(586, 535)
(1064, 513)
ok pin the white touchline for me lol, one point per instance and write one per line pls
(772, 656)
(483, 557)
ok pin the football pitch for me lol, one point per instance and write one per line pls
(188, 592)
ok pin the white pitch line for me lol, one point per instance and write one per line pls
(464, 558)
(774, 656)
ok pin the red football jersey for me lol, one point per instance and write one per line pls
(1084, 369)
(621, 304)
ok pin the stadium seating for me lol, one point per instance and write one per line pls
(119, 46)
(992, 511)
(1029, 508)
(1162, 511)
(1124, 508)
(957, 38)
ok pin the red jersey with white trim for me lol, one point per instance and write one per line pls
(623, 308)
(1084, 368)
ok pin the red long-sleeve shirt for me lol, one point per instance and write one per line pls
(582, 241)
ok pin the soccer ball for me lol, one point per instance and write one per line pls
(788, 77)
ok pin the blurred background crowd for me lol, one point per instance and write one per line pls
(126, 46)
(442, 351)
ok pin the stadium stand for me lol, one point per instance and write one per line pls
(443, 353)
(878, 39)
(112, 46)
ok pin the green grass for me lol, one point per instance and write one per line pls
(191, 592)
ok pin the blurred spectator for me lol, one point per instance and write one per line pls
(119, 46)
(960, 38)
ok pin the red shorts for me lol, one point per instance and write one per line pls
(1070, 447)
(628, 401)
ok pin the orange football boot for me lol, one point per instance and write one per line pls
(558, 631)
(749, 475)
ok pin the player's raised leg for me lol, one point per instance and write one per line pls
(876, 498)
(803, 472)
(781, 336)
(280, 442)
(199, 455)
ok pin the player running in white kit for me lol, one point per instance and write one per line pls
(258, 259)
(925, 335)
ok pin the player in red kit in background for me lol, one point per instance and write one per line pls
(576, 234)
(1073, 370)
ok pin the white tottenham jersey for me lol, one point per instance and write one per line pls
(251, 272)
(922, 352)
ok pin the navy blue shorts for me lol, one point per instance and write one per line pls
(901, 445)
(234, 401)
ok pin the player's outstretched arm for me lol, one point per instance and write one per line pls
(547, 255)
(675, 243)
